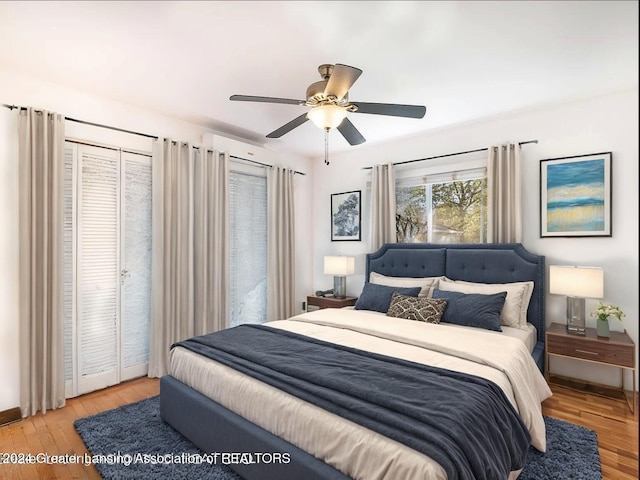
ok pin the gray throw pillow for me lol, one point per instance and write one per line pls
(472, 309)
(378, 297)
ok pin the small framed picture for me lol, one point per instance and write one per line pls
(575, 196)
(345, 216)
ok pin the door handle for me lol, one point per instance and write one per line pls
(124, 273)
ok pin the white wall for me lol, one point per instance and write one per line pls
(9, 334)
(601, 124)
(17, 89)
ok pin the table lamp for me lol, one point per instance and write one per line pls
(339, 267)
(577, 283)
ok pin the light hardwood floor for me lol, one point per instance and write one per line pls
(613, 422)
(53, 433)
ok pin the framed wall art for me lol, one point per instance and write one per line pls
(346, 216)
(575, 196)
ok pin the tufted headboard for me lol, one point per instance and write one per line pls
(472, 262)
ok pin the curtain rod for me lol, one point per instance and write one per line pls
(110, 147)
(450, 155)
(84, 122)
(11, 107)
(259, 163)
(265, 165)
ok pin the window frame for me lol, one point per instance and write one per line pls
(440, 171)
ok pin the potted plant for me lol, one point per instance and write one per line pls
(603, 312)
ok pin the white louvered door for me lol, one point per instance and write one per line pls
(107, 266)
(98, 272)
(135, 274)
(70, 155)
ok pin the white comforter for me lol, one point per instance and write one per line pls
(356, 451)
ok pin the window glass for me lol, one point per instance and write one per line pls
(248, 248)
(447, 208)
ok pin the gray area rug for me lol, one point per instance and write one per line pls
(137, 444)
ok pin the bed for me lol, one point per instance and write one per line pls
(222, 408)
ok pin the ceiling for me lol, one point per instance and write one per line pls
(462, 60)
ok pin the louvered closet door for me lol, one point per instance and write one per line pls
(98, 278)
(136, 265)
(70, 155)
(107, 266)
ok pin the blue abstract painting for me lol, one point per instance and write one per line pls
(576, 196)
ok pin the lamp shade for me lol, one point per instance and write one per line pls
(327, 116)
(339, 265)
(586, 282)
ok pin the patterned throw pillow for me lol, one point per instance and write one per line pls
(423, 309)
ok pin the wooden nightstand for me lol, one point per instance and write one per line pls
(617, 351)
(330, 302)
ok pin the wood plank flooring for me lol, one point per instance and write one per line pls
(613, 422)
(53, 433)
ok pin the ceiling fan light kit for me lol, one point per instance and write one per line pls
(329, 102)
(327, 116)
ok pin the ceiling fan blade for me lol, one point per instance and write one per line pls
(287, 127)
(249, 98)
(350, 133)
(341, 80)
(394, 110)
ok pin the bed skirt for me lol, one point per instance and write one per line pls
(215, 429)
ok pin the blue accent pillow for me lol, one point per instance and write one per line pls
(472, 309)
(378, 297)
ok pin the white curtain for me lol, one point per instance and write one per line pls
(211, 242)
(383, 206)
(41, 191)
(280, 244)
(504, 194)
(189, 246)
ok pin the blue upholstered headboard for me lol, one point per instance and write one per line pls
(483, 263)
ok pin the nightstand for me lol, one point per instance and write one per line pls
(330, 302)
(617, 351)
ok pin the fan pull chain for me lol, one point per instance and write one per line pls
(326, 146)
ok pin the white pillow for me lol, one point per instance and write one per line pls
(514, 311)
(426, 283)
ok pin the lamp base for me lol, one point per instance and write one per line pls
(339, 286)
(575, 316)
(576, 330)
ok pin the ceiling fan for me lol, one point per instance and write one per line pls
(329, 102)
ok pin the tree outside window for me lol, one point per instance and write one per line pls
(444, 212)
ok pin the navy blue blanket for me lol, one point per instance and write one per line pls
(463, 422)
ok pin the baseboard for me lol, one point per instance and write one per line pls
(10, 416)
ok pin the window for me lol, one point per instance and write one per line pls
(442, 208)
(248, 246)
